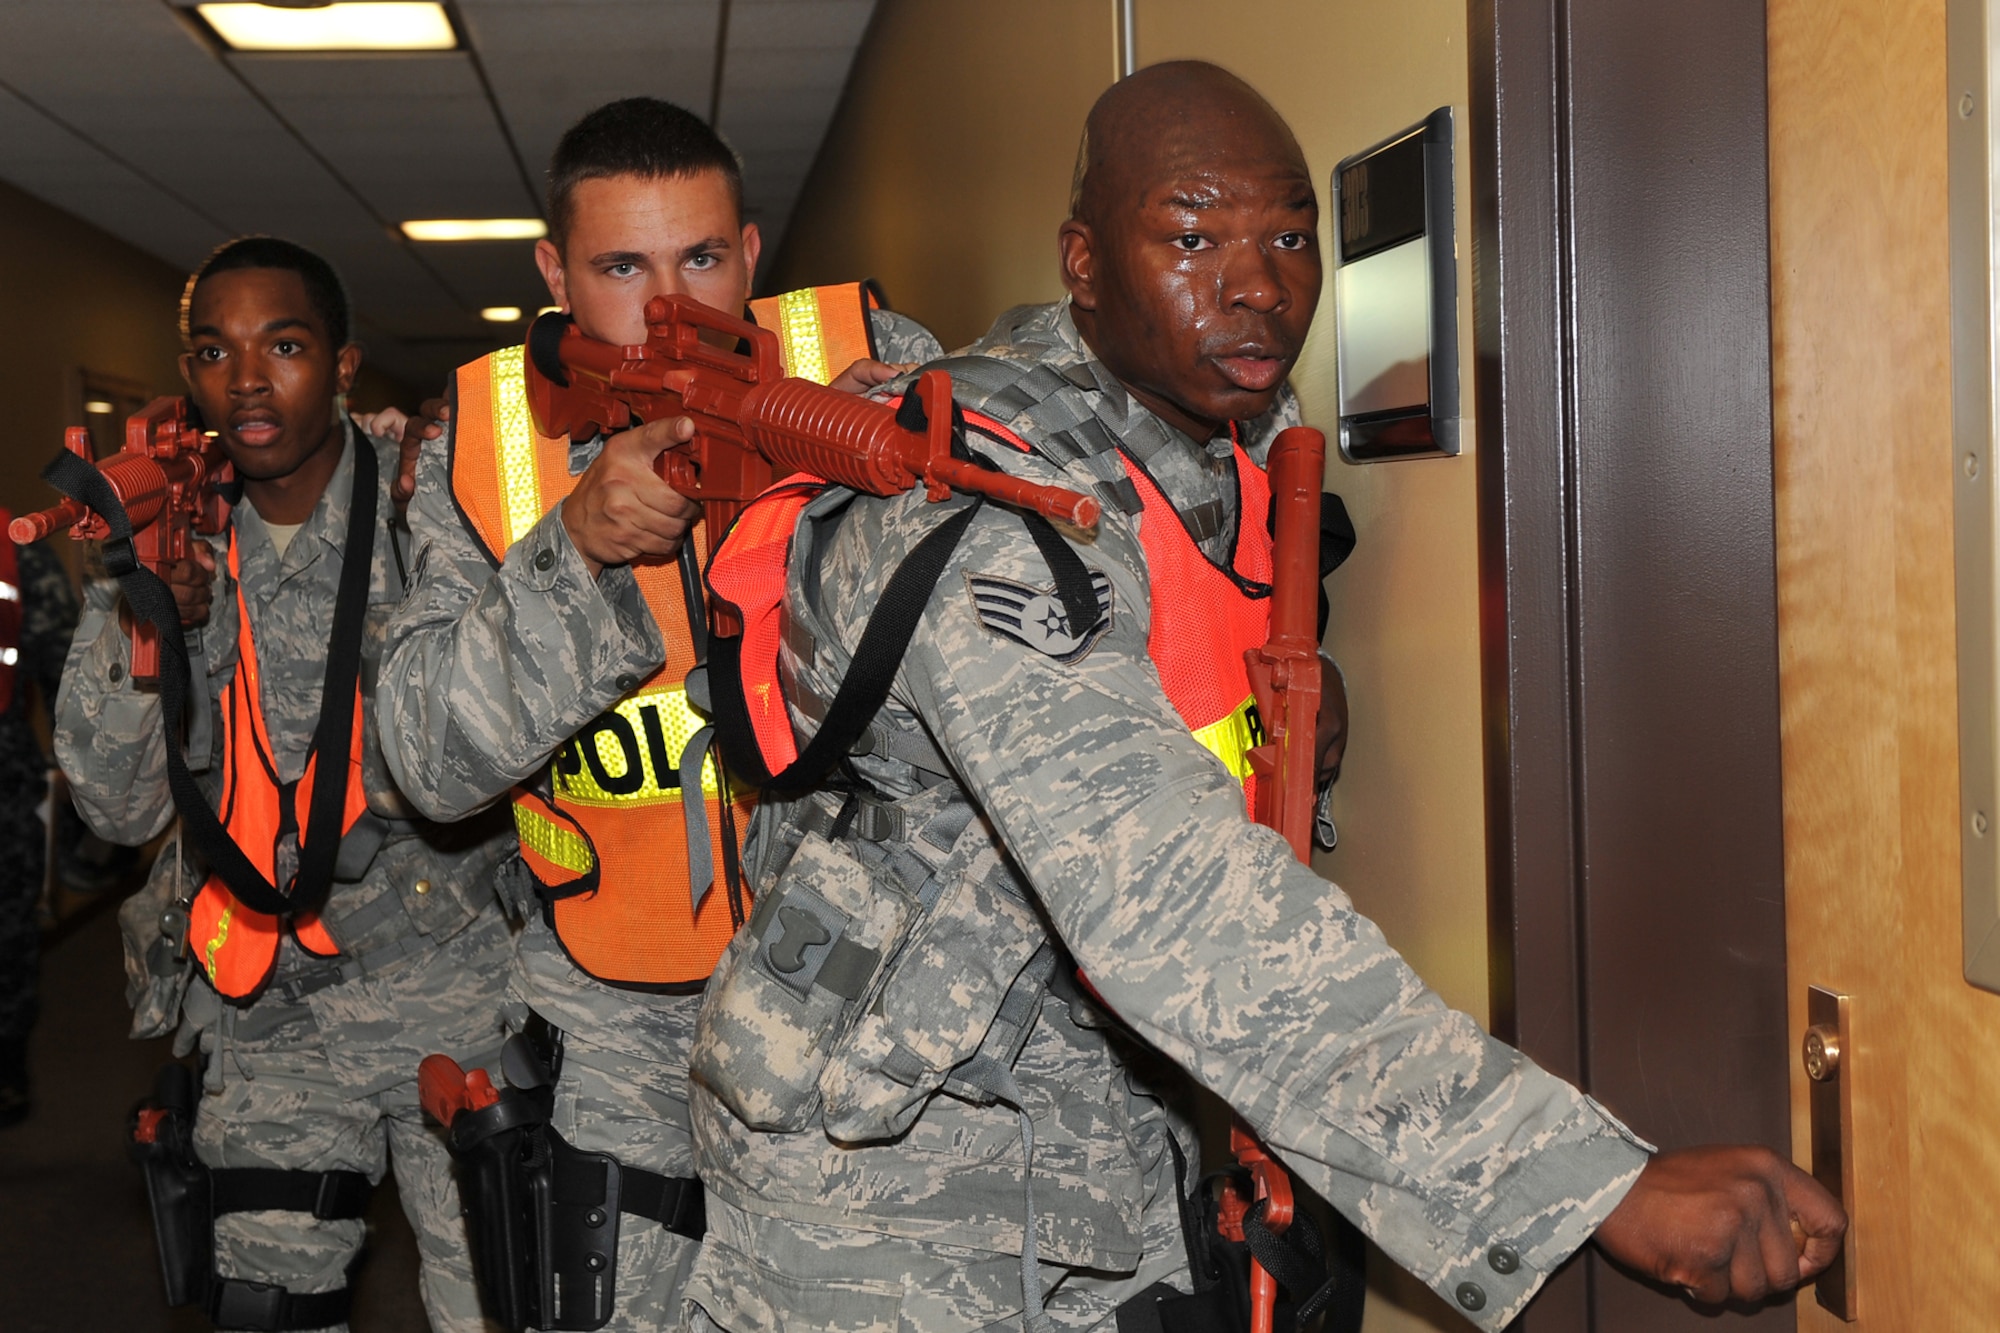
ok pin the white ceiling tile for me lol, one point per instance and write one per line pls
(330, 150)
(825, 24)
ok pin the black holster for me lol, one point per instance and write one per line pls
(543, 1215)
(1316, 1282)
(187, 1197)
(177, 1184)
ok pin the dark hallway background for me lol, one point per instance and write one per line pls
(76, 1243)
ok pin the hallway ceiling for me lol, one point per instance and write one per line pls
(118, 112)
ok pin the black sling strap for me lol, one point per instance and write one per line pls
(869, 677)
(153, 602)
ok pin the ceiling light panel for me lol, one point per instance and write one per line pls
(373, 25)
(475, 229)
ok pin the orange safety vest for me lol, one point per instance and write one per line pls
(237, 947)
(1205, 617)
(602, 848)
(10, 613)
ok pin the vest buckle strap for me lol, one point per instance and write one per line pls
(337, 972)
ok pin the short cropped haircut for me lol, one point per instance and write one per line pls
(636, 136)
(324, 290)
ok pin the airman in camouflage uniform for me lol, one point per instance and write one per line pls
(895, 1037)
(497, 669)
(48, 617)
(318, 1071)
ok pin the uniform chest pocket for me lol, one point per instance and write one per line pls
(792, 983)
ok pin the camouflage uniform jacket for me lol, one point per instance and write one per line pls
(1102, 823)
(495, 669)
(426, 882)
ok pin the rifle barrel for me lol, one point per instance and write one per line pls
(33, 527)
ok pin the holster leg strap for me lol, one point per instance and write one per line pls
(236, 1304)
(675, 1202)
(327, 1195)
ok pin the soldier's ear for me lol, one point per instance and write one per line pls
(345, 367)
(753, 246)
(549, 260)
(1078, 246)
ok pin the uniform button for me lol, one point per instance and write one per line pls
(1502, 1259)
(545, 560)
(117, 672)
(423, 886)
(627, 681)
(1471, 1296)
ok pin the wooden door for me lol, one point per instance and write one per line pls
(1861, 347)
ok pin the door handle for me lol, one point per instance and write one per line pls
(1828, 1051)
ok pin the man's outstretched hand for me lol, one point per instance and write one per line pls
(1725, 1223)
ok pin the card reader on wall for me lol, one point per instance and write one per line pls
(1395, 296)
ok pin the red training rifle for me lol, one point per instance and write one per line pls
(1285, 680)
(753, 425)
(167, 476)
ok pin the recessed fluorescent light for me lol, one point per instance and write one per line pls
(375, 25)
(501, 314)
(99, 407)
(476, 229)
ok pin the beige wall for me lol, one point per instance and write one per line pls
(946, 175)
(947, 169)
(72, 296)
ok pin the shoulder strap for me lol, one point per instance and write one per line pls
(151, 600)
(863, 691)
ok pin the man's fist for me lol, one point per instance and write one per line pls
(1732, 1223)
(191, 582)
(621, 509)
(865, 374)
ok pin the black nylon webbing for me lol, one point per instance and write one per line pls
(675, 1202)
(869, 677)
(327, 1195)
(153, 602)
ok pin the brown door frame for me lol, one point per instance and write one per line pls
(1622, 334)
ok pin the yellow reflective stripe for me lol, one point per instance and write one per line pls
(1232, 738)
(799, 337)
(553, 842)
(214, 946)
(514, 442)
(637, 745)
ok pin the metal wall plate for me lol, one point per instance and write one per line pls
(1975, 254)
(1395, 293)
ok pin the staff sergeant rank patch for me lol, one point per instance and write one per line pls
(1034, 617)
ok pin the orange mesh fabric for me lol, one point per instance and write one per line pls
(613, 866)
(1203, 622)
(238, 948)
(749, 573)
(475, 473)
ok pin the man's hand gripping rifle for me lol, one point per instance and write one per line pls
(752, 424)
(169, 482)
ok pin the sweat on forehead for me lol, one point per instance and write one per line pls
(1170, 120)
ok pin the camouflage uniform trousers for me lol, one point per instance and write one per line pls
(271, 1099)
(760, 1273)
